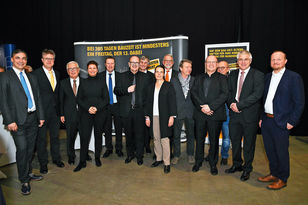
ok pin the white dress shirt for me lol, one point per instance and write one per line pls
(28, 85)
(77, 83)
(48, 75)
(238, 80)
(113, 84)
(155, 102)
(276, 77)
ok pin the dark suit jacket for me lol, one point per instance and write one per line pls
(251, 94)
(102, 75)
(49, 97)
(120, 89)
(14, 104)
(289, 99)
(166, 106)
(216, 98)
(68, 101)
(185, 106)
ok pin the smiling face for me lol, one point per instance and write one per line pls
(110, 64)
(168, 62)
(186, 69)
(244, 61)
(92, 70)
(211, 64)
(143, 66)
(19, 60)
(73, 70)
(223, 67)
(278, 61)
(134, 64)
(159, 73)
(48, 61)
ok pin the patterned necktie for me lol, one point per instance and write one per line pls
(134, 93)
(24, 85)
(52, 80)
(110, 90)
(167, 76)
(240, 85)
(75, 87)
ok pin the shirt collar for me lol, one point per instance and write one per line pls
(17, 71)
(280, 72)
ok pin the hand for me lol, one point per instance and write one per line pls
(234, 108)
(62, 119)
(148, 122)
(41, 123)
(92, 110)
(131, 88)
(289, 126)
(171, 121)
(206, 110)
(12, 127)
(260, 123)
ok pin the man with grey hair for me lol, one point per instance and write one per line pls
(245, 92)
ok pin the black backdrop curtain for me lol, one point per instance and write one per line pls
(268, 25)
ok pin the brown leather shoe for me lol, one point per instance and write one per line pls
(268, 178)
(277, 185)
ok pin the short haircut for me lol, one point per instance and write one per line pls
(110, 57)
(159, 66)
(19, 51)
(168, 55)
(48, 51)
(244, 52)
(185, 61)
(280, 51)
(71, 63)
(144, 58)
(133, 56)
(92, 62)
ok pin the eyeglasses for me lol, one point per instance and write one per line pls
(242, 60)
(169, 61)
(73, 69)
(49, 59)
(134, 63)
(211, 62)
(222, 67)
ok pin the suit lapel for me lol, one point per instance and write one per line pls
(18, 83)
(282, 81)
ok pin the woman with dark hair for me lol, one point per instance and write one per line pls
(92, 100)
(160, 113)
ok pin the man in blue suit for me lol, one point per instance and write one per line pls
(284, 101)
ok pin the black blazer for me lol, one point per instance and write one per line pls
(120, 89)
(68, 101)
(49, 97)
(166, 106)
(14, 102)
(250, 100)
(102, 75)
(216, 98)
(185, 106)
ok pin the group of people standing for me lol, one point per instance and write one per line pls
(153, 105)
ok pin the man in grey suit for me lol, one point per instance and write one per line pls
(185, 107)
(22, 114)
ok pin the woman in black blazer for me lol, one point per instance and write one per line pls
(160, 112)
(92, 99)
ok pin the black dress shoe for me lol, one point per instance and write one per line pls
(139, 162)
(154, 157)
(35, 177)
(167, 169)
(71, 161)
(196, 167)
(234, 169)
(214, 170)
(107, 153)
(156, 163)
(25, 189)
(224, 161)
(119, 153)
(80, 166)
(43, 169)
(207, 158)
(245, 176)
(58, 163)
(89, 158)
(129, 159)
(98, 162)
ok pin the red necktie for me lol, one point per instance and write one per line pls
(167, 76)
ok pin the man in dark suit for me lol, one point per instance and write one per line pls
(110, 76)
(245, 92)
(68, 107)
(284, 101)
(131, 88)
(143, 67)
(209, 94)
(182, 85)
(22, 114)
(48, 80)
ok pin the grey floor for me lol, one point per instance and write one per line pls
(119, 183)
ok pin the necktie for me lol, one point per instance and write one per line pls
(167, 76)
(24, 85)
(240, 85)
(74, 87)
(110, 90)
(134, 93)
(52, 80)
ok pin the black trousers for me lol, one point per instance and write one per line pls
(52, 123)
(113, 113)
(72, 127)
(134, 132)
(239, 129)
(24, 139)
(87, 122)
(213, 128)
(147, 137)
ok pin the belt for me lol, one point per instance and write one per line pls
(134, 107)
(269, 115)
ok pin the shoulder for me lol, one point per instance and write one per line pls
(256, 72)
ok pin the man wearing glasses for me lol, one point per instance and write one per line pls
(130, 88)
(48, 80)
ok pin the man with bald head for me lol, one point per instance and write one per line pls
(245, 92)
(284, 101)
(209, 95)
